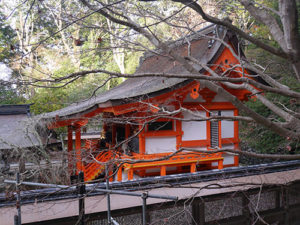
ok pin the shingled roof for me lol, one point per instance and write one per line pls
(17, 129)
(203, 49)
(15, 109)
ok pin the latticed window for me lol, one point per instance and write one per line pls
(214, 130)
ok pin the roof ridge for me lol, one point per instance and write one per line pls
(183, 40)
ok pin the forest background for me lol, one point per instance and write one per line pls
(43, 42)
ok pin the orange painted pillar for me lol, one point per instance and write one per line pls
(179, 134)
(236, 157)
(193, 168)
(70, 150)
(208, 136)
(119, 174)
(110, 173)
(130, 174)
(220, 164)
(78, 149)
(163, 171)
(220, 134)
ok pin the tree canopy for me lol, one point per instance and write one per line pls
(65, 51)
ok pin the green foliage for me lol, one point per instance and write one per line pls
(298, 9)
(8, 93)
(261, 138)
(10, 96)
(59, 55)
(47, 100)
(6, 36)
(257, 136)
(132, 62)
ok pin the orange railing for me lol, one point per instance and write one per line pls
(181, 159)
(93, 169)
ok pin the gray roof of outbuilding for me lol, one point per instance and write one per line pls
(18, 131)
(15, 109)
(201, 48)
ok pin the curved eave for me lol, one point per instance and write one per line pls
(113, 106)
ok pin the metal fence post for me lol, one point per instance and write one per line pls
(81, 192)
(198, 212)
(18, 202)
(16, 220)
(286, 206)
(108, 195)
(144, 216)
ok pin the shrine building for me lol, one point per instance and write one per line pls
(146, 120)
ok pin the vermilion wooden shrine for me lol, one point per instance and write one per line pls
(160, 112)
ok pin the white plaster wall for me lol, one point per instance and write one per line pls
(160, 144)
(194, 130)
(227, 127)
(228, 159)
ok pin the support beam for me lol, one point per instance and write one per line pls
(220, 131)
(163, 171)
(246, 210)
(179, 135)
(278, 199)
(220, 164)
(198, 213)
(236, 157)
(81, 193)
(193, 168)
(70, 151)
(78, 149)
(110, 174)
(130, 174)
(236, 136)
(285, 200)
(119, 174)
